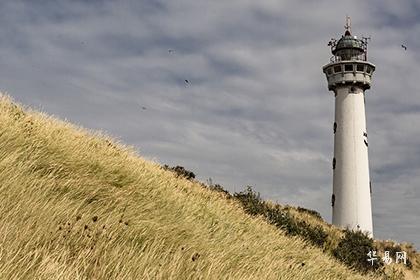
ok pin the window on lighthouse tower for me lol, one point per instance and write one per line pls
(337, 69)
(348, 67)
(365, 139)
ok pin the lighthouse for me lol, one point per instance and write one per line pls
(349, 75)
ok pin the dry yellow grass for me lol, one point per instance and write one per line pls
(75, 205)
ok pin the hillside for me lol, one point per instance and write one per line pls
(77, 205)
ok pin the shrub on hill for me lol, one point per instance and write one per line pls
(281, 218)
(310, 212)
(352, 250)
(180, 171)
(219, 188)
(216, 187)
(251, 202)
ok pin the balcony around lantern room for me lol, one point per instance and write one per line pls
(349, 71)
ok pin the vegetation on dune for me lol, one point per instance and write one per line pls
(77, 205)
(348, 247)
(281, 218)
(180, 171)
(352, 250)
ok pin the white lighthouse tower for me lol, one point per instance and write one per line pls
(349, 74)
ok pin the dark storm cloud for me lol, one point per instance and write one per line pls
(255, 110)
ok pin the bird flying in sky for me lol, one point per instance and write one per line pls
(404, 47)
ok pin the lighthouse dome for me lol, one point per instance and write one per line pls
(348, 47)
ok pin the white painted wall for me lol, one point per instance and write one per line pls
(352, 206)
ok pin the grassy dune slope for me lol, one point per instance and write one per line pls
(334, 235)
(74, 205)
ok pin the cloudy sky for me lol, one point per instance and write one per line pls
(256, 110)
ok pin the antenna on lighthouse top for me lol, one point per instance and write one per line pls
(348, 26)
(365, 41)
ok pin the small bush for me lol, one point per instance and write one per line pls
(352, 250)
(310, 212)
(251, 201)
(180, 171)
(281, 218)
(315, 234)
(219, 188)
(284, 220)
